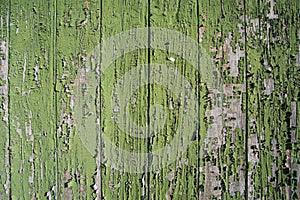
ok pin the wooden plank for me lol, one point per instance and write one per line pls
(77, 34)
(123, 100)
(272, 65)
(4, 110)
(176, 178)
(221, 34)
(31, 105)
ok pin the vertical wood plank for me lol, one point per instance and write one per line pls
(222, 35)
(273, 68)
(178, 179)
(4, 99)
(31, 103)
(119, 179)
(77, 34)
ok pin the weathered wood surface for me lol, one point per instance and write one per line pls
(273, 90)
(32, 144)
(245, 148)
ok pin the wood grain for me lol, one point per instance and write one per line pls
(74, 99)
(31, 100)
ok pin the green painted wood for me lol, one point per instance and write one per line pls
(77, 32)
(31, 100)
(178, 180)
(117, 183)
(4, 121)
(273, 71)
(222, 35)
(56, 115)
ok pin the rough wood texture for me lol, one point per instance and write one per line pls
(68, 115)
(273, 76)
(77, 33)
(117, 183)
(222, 34)
(4, 112)
(31, 99)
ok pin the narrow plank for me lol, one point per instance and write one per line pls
(4, 121)
(123, 108)
(31, 105)
(174, 170)
(221, 34)
(77, 34)
(271, 56)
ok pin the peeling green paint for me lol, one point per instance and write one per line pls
(255, 47)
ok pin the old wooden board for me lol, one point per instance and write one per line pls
(176, 77)
(273, 94)
(123, 104)
(119, 99)
(77, 33)
(222, 35)
(4, 123)
(31, 100)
